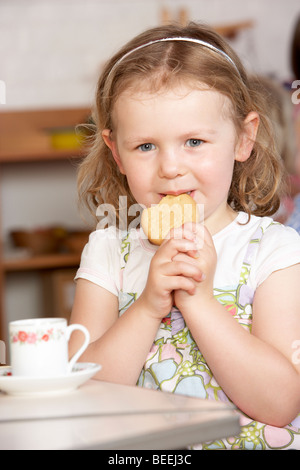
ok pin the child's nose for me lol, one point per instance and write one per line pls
(170, 165)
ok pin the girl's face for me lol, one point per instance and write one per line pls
(179, 141)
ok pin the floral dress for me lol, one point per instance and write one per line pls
(175, 364)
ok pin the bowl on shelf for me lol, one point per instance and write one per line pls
(66, 138)
(75, 241)
(38, 241)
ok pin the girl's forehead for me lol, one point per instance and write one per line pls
(158, 84)
(143, 94)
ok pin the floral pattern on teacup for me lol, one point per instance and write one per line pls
(29, 337)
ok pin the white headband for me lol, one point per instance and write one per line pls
(187, 39)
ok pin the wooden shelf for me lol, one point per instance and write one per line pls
(38, 157)
(230, 31)
(50, 261)
(38, 136)
(29, 135)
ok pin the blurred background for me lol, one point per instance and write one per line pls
(51, 53)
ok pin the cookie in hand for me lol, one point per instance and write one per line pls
(171, 212)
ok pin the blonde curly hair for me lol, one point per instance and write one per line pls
(257, 183)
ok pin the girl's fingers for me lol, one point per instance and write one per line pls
(182, 283)
(191, 231)
(186, 269)
(187, 231)
(172, 247)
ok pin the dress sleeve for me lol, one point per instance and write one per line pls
(100, 260)
(279, 249)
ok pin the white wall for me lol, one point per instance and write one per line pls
(51, 52)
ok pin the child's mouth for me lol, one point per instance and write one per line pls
(177, 193)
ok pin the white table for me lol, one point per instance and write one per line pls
(101, 415)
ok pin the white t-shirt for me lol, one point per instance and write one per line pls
(102, 260)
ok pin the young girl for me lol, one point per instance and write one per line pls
(213, 313)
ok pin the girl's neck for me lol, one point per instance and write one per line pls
(220, 219)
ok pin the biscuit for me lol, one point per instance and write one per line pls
(171, 212)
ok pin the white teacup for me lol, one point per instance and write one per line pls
(39, 347)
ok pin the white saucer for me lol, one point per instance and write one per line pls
(16, 385)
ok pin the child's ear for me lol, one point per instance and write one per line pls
(247, 138)
(111, 144)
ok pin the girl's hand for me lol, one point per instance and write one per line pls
(168, 274)
(206, 261)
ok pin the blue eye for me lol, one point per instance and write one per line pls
(146, 147)
(194, 142)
